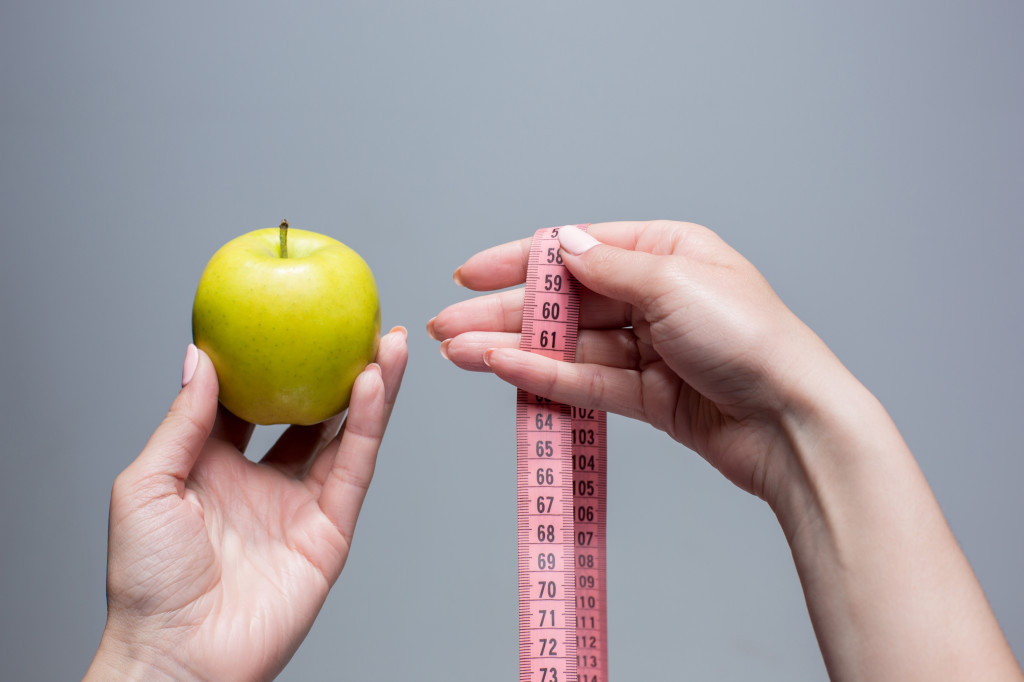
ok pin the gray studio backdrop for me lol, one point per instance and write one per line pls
(867, 156)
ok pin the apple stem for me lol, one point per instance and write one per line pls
(284, 239)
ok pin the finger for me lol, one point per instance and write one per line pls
(232, 429)
(392, 356)
(658, 237)
(612, 348)
(175, 445)
(344, 489)
(593, 386)
(505, 265)
(620, 391)
(296, 447)
(500, 312)
(619, 273)
(503, 312)
(495, 268)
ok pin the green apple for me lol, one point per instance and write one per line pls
(290, 318)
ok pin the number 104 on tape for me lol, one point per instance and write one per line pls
(561, 470)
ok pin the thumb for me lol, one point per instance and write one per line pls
(175, 445)
(620, 274)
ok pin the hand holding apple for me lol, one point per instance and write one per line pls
(218, 565)
(290, 318)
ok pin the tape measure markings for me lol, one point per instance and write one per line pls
(561, 477)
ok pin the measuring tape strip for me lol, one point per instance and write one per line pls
(561, 468)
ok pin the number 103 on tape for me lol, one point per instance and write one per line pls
(562, 477)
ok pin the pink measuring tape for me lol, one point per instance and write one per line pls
(562, 481)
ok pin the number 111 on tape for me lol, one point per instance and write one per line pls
(562, 476)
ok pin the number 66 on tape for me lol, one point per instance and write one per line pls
(561, 489)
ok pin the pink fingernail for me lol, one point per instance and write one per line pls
(191, 362)
(575, 241)
(444, 348)
(457, 277)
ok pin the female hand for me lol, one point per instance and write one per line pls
(218, 565)
(677, 329)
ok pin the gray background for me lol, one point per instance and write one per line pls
(867, 156)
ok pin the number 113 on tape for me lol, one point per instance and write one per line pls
(561, 470)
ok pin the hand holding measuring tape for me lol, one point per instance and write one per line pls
(676, 329)
(679, 330)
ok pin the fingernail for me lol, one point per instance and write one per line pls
(444, 348)
(374, 367)
(399, 329)
(191, 362)
(430, 327)
(487, 356)
(575, 241)
(457, 277)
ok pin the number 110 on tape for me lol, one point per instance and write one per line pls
(562, 474)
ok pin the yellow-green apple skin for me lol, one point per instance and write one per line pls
(288, 336)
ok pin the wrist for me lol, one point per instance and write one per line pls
(121, 657)
(833, 442)
(845, 464)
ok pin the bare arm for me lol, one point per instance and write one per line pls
(681, 331)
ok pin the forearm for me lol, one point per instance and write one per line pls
(890, 593)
